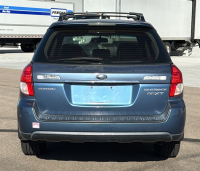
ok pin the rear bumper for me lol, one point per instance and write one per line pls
(169, 130)
(123, 137)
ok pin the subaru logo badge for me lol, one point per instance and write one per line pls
(101, 77)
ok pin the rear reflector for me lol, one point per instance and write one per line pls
(176, 87)
(35, 125)
(26, 84)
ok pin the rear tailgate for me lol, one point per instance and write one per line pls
(74, 93)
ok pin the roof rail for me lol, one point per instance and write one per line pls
(101, 15)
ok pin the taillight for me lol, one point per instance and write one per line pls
(26, 84)
(176, 87)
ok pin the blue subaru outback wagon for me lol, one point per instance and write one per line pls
(97, 79)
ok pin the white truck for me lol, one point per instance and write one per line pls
(26, 21)
(177, 21)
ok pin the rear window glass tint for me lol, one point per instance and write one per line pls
(116, 46)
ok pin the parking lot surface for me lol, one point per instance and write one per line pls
(94, 156)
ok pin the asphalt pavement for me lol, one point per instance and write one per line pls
(94, 156)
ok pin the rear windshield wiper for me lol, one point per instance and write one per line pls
(89, 59)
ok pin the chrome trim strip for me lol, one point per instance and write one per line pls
(102, 133)
(111, 78)
(92, 78)
(98, 81)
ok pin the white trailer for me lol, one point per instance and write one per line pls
(176, 21)
(26, 21)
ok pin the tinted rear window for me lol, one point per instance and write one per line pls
(114, 46)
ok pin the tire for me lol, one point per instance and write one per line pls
(168, 149)
(174, 46)
(27, 48)
(33, 147)
(168, 47)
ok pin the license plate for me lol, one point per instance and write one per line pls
(101, 95)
